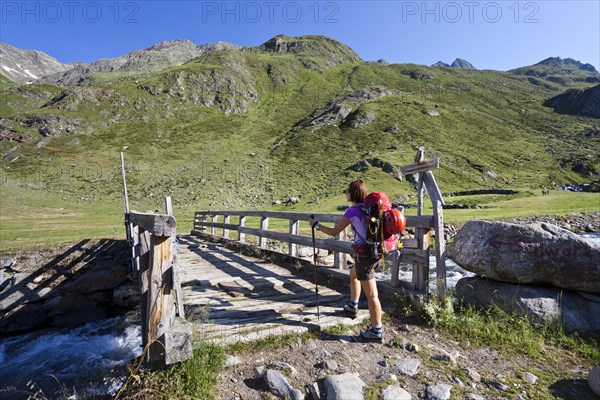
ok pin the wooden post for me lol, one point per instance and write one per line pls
(294, 229)
(159, 301)
(225, 230)
(242, 236)
(420, 194)
(395, 268)
(264, 225)
(204, 219)
(440, 250)
(135, 242)
(213, 230)
(340, 259)
(421, 272)
(421, 179)
(169, 205)
(196, 220)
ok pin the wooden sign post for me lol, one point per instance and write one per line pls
(426, 181)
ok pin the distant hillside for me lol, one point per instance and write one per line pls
(296, 117)
(577, 102)
(159, 56)
(562, 71)
(24, 66)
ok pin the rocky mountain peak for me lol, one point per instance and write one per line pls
(171, 43)
(460, 63)
(557, 62)
(310, 48)
(25, 66)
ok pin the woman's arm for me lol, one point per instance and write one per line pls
(340, 226)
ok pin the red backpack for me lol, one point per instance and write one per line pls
(383, 224)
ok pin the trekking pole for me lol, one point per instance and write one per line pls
(315, 264)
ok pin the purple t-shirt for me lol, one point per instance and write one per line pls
(358, 221)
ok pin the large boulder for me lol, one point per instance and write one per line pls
(23, 318)
(577, 311)
(536, 253)
(594, 380)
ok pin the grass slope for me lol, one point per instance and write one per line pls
(222, 131)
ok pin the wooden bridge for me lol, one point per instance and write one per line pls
(255, 284)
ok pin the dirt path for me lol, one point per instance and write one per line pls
(480, 371)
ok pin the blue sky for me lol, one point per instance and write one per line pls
(490, 34)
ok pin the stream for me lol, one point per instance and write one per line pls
(84, 362)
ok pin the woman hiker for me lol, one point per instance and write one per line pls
(362, 274)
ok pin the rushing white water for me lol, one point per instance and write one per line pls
(453, 273)
(593, 236)
(87, 361)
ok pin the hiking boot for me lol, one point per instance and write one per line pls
(351, 308)
(373, 335)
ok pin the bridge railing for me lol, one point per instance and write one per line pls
(415, 250)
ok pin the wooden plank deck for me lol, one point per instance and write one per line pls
(235, 298)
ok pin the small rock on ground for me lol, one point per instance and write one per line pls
(279, 386)
(500, 386)
(531, 378)
(473, 375)
(395, 392)
(408, 366)
(232, 361)
(473, 396)
(344, 387)
(441, 391)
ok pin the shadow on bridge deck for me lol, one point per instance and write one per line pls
(235, 298)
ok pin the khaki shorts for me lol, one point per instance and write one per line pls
(365, 267)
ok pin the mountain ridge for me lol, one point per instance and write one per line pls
(170, 53)
(158, 56)
(25, 66)
(557, 61)
(558, 70)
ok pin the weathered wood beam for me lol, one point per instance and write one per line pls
(156, 224)
(294, 230)
(420, 276)
(420, 166)
(160, 301)
(440, 250)
(411, 220)
(432, 188)
(328, 244)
